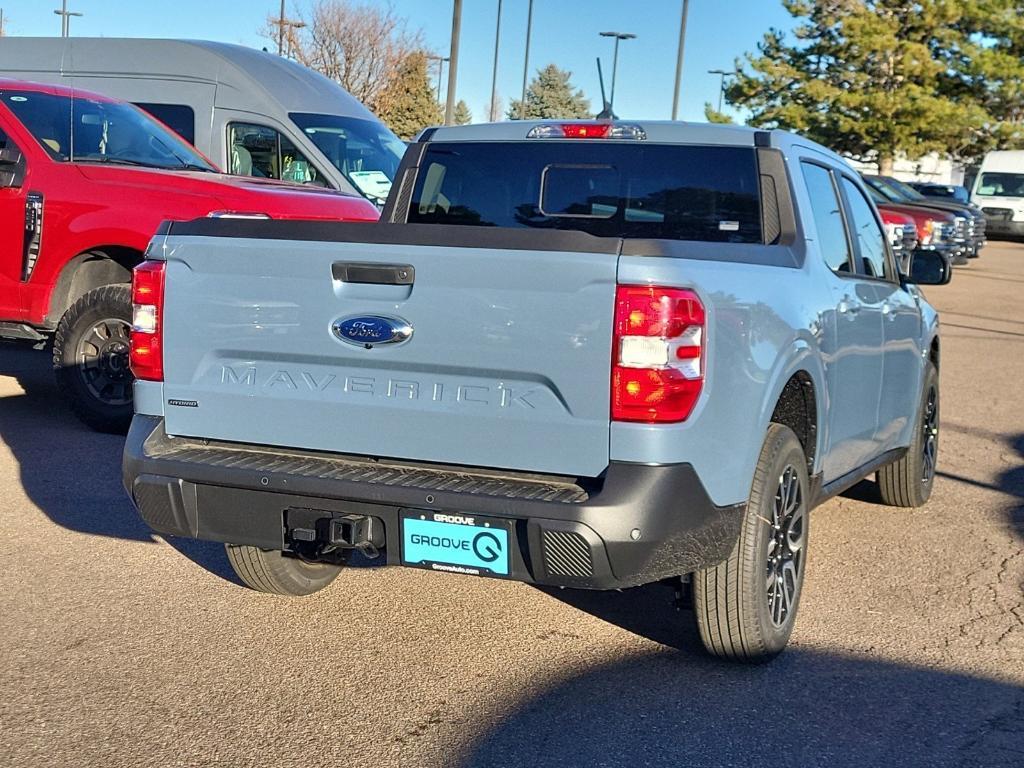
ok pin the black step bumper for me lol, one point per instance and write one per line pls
(636, 524)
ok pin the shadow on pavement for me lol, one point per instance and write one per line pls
(804, 709)
(70, 472)
(1010, 482)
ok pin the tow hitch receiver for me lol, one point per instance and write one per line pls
(326, 531)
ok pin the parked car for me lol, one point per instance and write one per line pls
(902, 232)
(953, 192)
(999, 190)
(935, 229)
(84, 183)
(969, 236)
(587, 354)
(253, 113)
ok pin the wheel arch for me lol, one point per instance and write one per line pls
(99, 266)
(797, 400)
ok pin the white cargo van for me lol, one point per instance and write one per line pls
(251, 112)
(999, 190)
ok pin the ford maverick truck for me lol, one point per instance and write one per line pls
(590, 355)
(84, 183)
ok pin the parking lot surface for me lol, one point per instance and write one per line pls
(118, 648)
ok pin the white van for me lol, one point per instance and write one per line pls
(999, 190)
(251, 112)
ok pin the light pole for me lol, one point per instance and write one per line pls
(615, 57)
(453, 65)
(721, 85)
(440, 72)
(526, 60)
(494, 72)
(679, 59)
(65, 18)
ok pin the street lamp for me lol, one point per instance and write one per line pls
(615, 57)
(440, 72)
(721, 86)
(65, 18)
(679, 59)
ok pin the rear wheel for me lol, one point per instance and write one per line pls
(908, 482)
(90, 358)
(745, 607)
(268, 570)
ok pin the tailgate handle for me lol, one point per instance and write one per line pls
(374, 274)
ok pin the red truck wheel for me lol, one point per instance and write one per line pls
(90, 358)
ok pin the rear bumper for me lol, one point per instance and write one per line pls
(635, 525)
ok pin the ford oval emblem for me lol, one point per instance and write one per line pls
(370, 330)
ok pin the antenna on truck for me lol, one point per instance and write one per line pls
(607, 113)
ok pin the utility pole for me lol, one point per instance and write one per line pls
(284, 27)
(1, 22)
(453, 65)
(494, 72)
(526, 60)
(65, 18)
(721, 83)
(679, 59)
(615, 58)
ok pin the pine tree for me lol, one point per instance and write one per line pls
(712, 115)
(865, 77)
(462, 114)
(408, 103)
(551, 96)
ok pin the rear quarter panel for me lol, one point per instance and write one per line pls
(763, 325)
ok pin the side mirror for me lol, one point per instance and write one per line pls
(929, 268)
(12, 167)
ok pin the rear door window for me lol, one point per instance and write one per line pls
(608, 189)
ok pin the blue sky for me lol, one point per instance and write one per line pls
(564, 32)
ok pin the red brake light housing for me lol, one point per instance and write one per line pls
(658, 354)
(147, 352)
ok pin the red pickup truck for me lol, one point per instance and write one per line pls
(84, 183)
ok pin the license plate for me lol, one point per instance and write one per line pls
(456, 543)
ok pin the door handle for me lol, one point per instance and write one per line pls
(374, 274)
(848, 306)
(888, 311)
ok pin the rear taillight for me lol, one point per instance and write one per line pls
(658, 353)
(147, 353)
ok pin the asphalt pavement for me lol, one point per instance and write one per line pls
(118, 648)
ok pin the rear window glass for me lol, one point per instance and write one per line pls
(608, 189)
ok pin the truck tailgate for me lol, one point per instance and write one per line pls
(507, 365)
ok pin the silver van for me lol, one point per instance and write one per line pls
(253, 113)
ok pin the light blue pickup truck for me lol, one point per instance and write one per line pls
(594, 354)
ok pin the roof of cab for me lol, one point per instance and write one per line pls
(657, 131)
(9, 84)
(248, 77)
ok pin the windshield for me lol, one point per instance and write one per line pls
(365, 151)
(88, 130)
(882, 188)
(907, 191)
(1001, 185)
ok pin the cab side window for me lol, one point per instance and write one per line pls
(256, 150)
(828, 217)
(866, 232)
